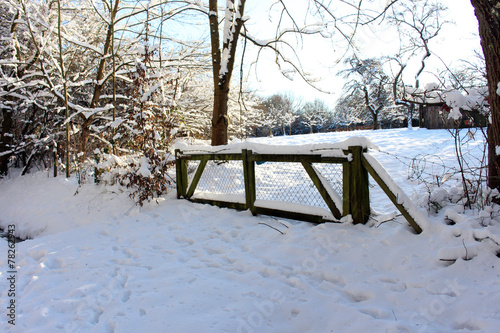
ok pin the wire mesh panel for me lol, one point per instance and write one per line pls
(224, 177)
(333, 173)
(287, 182)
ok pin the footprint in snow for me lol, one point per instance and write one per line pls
(334, 278)
(181, 240)
(389, 280)
(37, 254)
(358, 295)
(88, 313)
(126, 296)
(54, 263)
(118, 280)
(127, 253)
(377, 313)
(103, 297)
(266, 272)
(398, 328)
(213, 250)
(394, 285)
(469, 325)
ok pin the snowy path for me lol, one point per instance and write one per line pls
(191, 268)
(103, 265)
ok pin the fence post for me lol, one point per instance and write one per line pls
(55, 160)
(346, 187)
(356, 195)
(249, 176)
(181, 174)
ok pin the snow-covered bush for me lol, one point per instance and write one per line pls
(146, 174)
(147, 131)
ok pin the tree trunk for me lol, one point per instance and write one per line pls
(223, 68)
(220, 119)
(65, 86)
(6, 140)
(87, 122)
(488, 16)
(84, 136)
(374, 112)
(6, 134)
(410, 116)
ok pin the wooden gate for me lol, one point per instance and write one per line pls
(354, 200)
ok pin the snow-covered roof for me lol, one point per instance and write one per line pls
(474, 99)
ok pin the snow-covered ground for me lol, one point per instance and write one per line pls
(98, 263)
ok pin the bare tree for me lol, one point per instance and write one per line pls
(368, 79)
(350, 109)
(319, 18)
(417, 23)
(315, 114)
(281, 111)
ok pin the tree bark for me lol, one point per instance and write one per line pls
(65, 86)
(374, 112)
(222, 79)
(6, 140)
(488, 16)
(7, 128)
(220, 119)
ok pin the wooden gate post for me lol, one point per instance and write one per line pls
(181, 174)
(249, 176)
(356, 195)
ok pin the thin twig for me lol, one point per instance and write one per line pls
(393, 219)
(280, 222)
(448, 260)
(491, 239)
(466, 252)
(281, 232)
(284, 224)
(395, 318)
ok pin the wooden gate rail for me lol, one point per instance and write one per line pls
(404, 205)
(355, 183)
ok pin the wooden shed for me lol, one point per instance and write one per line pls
(435, 116)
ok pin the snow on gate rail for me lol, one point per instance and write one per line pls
(315, 182)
